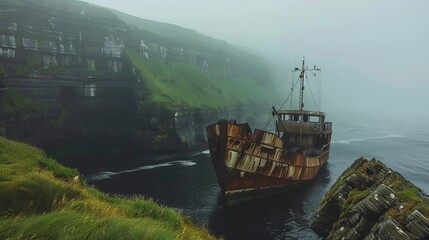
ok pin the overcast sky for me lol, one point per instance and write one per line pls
(374, 55)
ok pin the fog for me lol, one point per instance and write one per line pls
(373, 54)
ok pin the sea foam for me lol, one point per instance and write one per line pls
(108, 174)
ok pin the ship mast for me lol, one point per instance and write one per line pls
(302, 77)
(301, 89)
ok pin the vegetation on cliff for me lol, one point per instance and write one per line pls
(13, 102)
(190, 85)
(41, 199)
(168, 30)
(77, 70)
(197, 70)
(178, 66)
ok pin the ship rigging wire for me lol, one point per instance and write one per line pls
(312, 96)
(270, 117)
(294, 83)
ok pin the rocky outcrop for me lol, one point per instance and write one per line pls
(371, 201)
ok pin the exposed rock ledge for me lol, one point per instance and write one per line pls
(371, 201)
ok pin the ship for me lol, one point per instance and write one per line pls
(254, 165)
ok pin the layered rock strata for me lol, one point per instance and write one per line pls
(371, 201)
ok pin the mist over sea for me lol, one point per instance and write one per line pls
(190, 185)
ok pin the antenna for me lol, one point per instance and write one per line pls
(302, 77)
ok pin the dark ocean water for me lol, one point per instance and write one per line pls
(189, 183)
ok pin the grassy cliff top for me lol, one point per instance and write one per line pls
(41, 199)
(190, 85)
(168, 30)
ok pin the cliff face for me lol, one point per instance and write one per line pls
(65, 57)
(74, 71)
(371, 201)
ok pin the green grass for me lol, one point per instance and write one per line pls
(188, 84)
(41, 199)
(354, 197)
(169, 31)
(32, 64)
(349, 171)
(15, 102)
(410, 198)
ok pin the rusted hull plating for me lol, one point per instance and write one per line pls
(256, 165)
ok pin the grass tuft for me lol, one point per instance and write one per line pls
(41, 199)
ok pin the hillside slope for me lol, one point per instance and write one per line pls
(168, 30)
(195, 69)
(41, 199)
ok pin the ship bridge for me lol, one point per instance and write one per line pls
(302, 122)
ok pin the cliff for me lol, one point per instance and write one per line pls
(41, 199)
(73, 70)
(371, 201)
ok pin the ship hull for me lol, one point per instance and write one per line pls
(257, 165)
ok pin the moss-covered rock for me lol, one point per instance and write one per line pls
(371, 201)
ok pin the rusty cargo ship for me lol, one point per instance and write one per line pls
(251, 165)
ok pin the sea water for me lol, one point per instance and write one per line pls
(190, 185)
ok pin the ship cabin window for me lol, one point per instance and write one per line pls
(305, 118)
(295, 117)
(290, 117)
(299, 117)
(285, 117)
(315, 119)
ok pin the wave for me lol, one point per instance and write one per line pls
(348, 141)
(108, 174)
(205, 152)
(101, 175)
